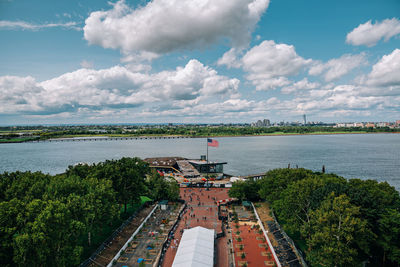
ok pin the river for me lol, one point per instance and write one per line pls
(365, 156)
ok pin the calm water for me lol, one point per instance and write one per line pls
(373, 156)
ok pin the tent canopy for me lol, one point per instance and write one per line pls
(196, 248)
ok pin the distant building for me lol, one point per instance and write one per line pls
(397, 123)
(382, 124)
(262, 123)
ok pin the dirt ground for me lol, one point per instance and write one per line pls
(264, 212)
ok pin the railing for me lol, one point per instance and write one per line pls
(266, 237)
(131, 238)
(106, 243)
(165, 245)
(298, 253)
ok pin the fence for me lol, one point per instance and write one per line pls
(298, 253)
(266, 237)
(170, 233)
(106, 243)
(133, 235)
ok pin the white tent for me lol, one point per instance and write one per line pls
(196, 248)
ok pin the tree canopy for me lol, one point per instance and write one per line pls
(338, 222)
(50, 220)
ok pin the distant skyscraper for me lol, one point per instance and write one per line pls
(266, 122)
(262, 123)
(305, 119)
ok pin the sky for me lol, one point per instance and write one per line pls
(198, 61)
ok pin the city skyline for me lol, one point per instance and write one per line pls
(199, 62)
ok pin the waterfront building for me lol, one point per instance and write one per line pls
(188, 168)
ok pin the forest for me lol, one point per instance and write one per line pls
(333, 220)
(59, 220)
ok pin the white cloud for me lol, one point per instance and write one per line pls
(34, 27)
(86, 64)
(384, 78)
(269, 64)
(369, 34)
(162, 26)
(18, 94)
(116, 87)
(338, 67)
(342, 97)
(300, 85)
(386, 72)
(230, 59)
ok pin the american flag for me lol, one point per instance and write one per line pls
(212, 142)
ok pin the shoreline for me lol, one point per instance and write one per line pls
(130, 137)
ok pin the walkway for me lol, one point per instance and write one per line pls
(201, 211)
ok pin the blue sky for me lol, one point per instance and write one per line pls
(198, 61)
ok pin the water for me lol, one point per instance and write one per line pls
(365, 156)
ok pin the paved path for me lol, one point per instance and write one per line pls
(201, 211)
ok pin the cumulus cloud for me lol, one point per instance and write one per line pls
(15, 25)
(163, 26)
(342, 97)
(269, 64)
(338, 67)
(386, 72)
(116, 87)
(18, 94)
(384, 78)
(230, 59)
(375, 92)
(300, 85)
(369, 34)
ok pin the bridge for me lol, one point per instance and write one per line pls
(107, 138)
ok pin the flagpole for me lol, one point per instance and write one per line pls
(207, 148)
(208, 167)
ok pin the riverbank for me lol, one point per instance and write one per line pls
(94, 137)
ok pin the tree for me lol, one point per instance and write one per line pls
(295, 203)
(10, 225)
(245, 190)
(160, 187)
(276, 181)
(50, 239)
(127, 176)
(336, 231)
(389, 228)
(23, 185)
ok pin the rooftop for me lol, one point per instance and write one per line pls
(163, 161)
(204, 162)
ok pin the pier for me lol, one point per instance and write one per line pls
(107, 138)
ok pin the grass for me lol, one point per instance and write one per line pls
(18, 140)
